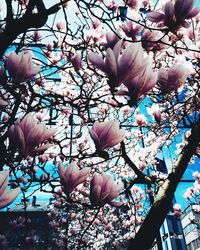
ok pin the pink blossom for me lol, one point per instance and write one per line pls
(196, 175)
(141, 84)
(177, 210)
(177, 207)
(131, 29)
(140, 120)
(155, 112)
(71, 177)
(20, 66)
(132, 3)
(76, 62)
(37, 36)
(60, 25)
(172, 78)
(113, 6)
(26, 134)
(174, 14)
(96, 24)
(189, 193)
(120, 67)
(103, 190)
(6, 196)
(106, 134)
(111, 40)
(153, 41)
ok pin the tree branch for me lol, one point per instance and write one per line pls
(156, 216)
(29, 20)
(9, 16)
(141, 177)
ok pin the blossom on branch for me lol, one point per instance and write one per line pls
(26, 134)
(155, 111)
(172, 78)
(71, 177)
(131, 29)
(106, 134)
(120, 67)
(103, 190)
(177, 210)
(6, 196)
(138, 86)
(20, 66)
(76, 61)
(174, 15)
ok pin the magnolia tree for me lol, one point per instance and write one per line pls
(91, 94)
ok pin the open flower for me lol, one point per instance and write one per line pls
(174, 15)
(120, 67)
(26, 134)
(103, 190)
(106, 134)
(71, 177)
(172, 78)
(6, 196)
(131, 29)
(20, 66)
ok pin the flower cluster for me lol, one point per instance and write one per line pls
(103, 188)
(130, 67)
(174, 14)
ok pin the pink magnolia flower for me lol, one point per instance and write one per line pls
(177, 210)
(6, 196)
(111, 40)
(131, 29)
(113, 6)
(132, 3)
(20, 66)
(189, 193)
(196, 175)
(139, 85)
(76, 62)
(106, 134)
(103, 190)
(60, 25)
(140, 120)
(153, 41)
(120, 67)
(36, 36)
(96, 24)
(26, 134)
(174, 14)
(155, 112)
(172, 78)
(71, 177)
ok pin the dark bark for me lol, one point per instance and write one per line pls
(157, 214)
(15, 27)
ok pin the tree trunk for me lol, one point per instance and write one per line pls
(157, 214)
